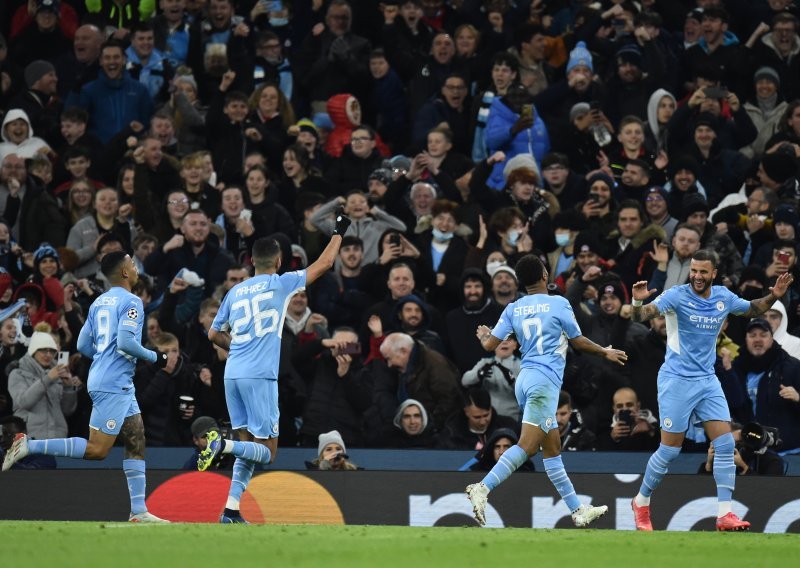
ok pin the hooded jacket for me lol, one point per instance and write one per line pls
(484, 459)
(790, 343)
(422, 334)
(42, 403)
(655, 133)
(29, 147)
(42, 315)
(398, 438)
(341, 108)
(764, 53)
(497, 376)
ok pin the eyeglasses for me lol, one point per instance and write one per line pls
(360, 139)
(183, 201)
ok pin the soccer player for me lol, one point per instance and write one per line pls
(543, 325)
(687, 384)
(111, 337)
(249, 325)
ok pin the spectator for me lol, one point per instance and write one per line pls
(11, 427)
(497, 375)
(765, 110)
(407, 38)
(718, 48)
(40, 102)
(472, 428)
(271, 113)
(44, 39)
(201, 426)
(673, 269)
(114, 89)
(451, 106)
(779, 322)
(44, 394)
(120, 15)
(331, 454)
(505, 288)
(443, 252)
(79, 65)
(629, 246)
(657, 208)
(633, 429)
(575, 437)
(746, 460)
(171, 31)
(776, 47)
(18, 138)
(646, 354)
(352, 169)
(762, 384)
(497, 444)
(272, 65)
(433, 72)
(411, 317)
(660, 109)
(345, 113)
(147, 64)
(505, 68)
(629, 88)
(419, 373)
(411, 427)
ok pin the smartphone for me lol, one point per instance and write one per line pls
(783, 257)
(526, 112)
(716, 92)
(626, 416)
(593, 197)
(394, 240)
(63, 358)
(349, 349)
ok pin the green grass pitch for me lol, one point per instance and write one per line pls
(119, 545)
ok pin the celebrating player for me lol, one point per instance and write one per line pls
(687, 384)
(249, 325)
(111, 337)
(543, 325)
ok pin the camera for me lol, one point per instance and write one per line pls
(758, 438)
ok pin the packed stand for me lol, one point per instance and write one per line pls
(612, 139)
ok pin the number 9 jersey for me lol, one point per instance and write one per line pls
(542, 325)
(253, 311)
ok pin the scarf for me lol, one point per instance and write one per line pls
(751, 364)
(297, 326)
(766, 105)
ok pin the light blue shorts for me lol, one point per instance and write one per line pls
(110, 409)
(537, 397)
(678, 398)
(253, 404)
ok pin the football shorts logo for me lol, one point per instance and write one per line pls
(667, 423)
(275, 428)
(133, 313)
(111, 424)
(548, 423)
(720, 306)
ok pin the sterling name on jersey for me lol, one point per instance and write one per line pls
(110, 315)
(693, 324)
(254, 311)
(542, 325)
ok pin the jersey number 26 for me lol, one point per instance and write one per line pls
(252, 310)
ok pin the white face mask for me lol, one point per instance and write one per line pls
(562, 239)
(493, 265)
(442, 237)
(512, 237)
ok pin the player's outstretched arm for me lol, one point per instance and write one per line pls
(488, 341)
(639, 293)
(585, 345)
(328, 256)
(761, 305)
(221, 339)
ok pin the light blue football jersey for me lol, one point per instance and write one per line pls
(113, 313)
(254, 311)
(693, 324)
(542, 325)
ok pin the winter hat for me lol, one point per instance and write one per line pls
(505, 269)
(52, 5)
(630, 53)
(586, 241)
(580, 56)
(405, 404)
(660, 190)
(44, 251)
(779, 166)
(696, 14)
(579, 109)
(306, 125)
(767, 73)
(600, 176)
(382, 175)
(41, 340)
(322, 120)
(693, 203)
(332, 437)
(521, 161)
(684, 163)
(202, 425)
(705, 119)
(189, 80)
(398, 163)
(36, 70)
(785, 213)
(614, 287)
(759, 323)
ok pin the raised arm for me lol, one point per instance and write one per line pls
(761, 305)
(639, 293)
(488, 341)
(581, 343)
(328, 256)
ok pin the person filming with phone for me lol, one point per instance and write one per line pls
(633, 429)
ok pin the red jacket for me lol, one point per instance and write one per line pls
(342, 110)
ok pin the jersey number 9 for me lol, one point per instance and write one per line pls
(252, 310)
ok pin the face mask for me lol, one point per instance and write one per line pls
(512, 237)
(442, 237)
(494, 265)
(278, 22)
(562, 239)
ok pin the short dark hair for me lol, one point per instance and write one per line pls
(236, 96)
(266, 252)
(76, 151)
(706, 255)
(785, 243)
(351, 241)
(111, 262)
(104, 240)
(508, 59)
(478, 396)
(113, 43)
(144, 27)
(75, 114)
(530, 270)
(688, 227)
(526, 33)
(564, 398)
(631, 204)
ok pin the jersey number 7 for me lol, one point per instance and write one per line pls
(526, 329)
(252, 310)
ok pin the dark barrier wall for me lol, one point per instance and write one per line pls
(683, 502)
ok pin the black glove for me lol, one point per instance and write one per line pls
(161, 359)
(342, 222)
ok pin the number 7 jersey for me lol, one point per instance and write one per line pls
(253, 311)
(542, 324)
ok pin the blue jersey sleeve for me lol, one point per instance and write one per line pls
(129, 331)
(739, 306)
(668, 300)
(291, 281)
(220, 322)
(568, 322)
(504, 326)
(86, 340)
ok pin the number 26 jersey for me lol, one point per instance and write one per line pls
(253, 311)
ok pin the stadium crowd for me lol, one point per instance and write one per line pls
(613, 139)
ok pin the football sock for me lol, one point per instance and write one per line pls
(242, 472)
(558, 477)
(657, 467)
(508, 463)
(134, 471)
(251, 451)
(59, 447)
(724, 471)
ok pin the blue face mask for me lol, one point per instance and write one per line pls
(512, 237)
(278, 22)
(562, 239)
(442, 237)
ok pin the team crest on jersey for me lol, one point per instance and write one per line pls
(111, 424)
(667, 422)
(133, 313)
(720, 305)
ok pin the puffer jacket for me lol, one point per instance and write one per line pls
(43, 404)
(341, 108)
